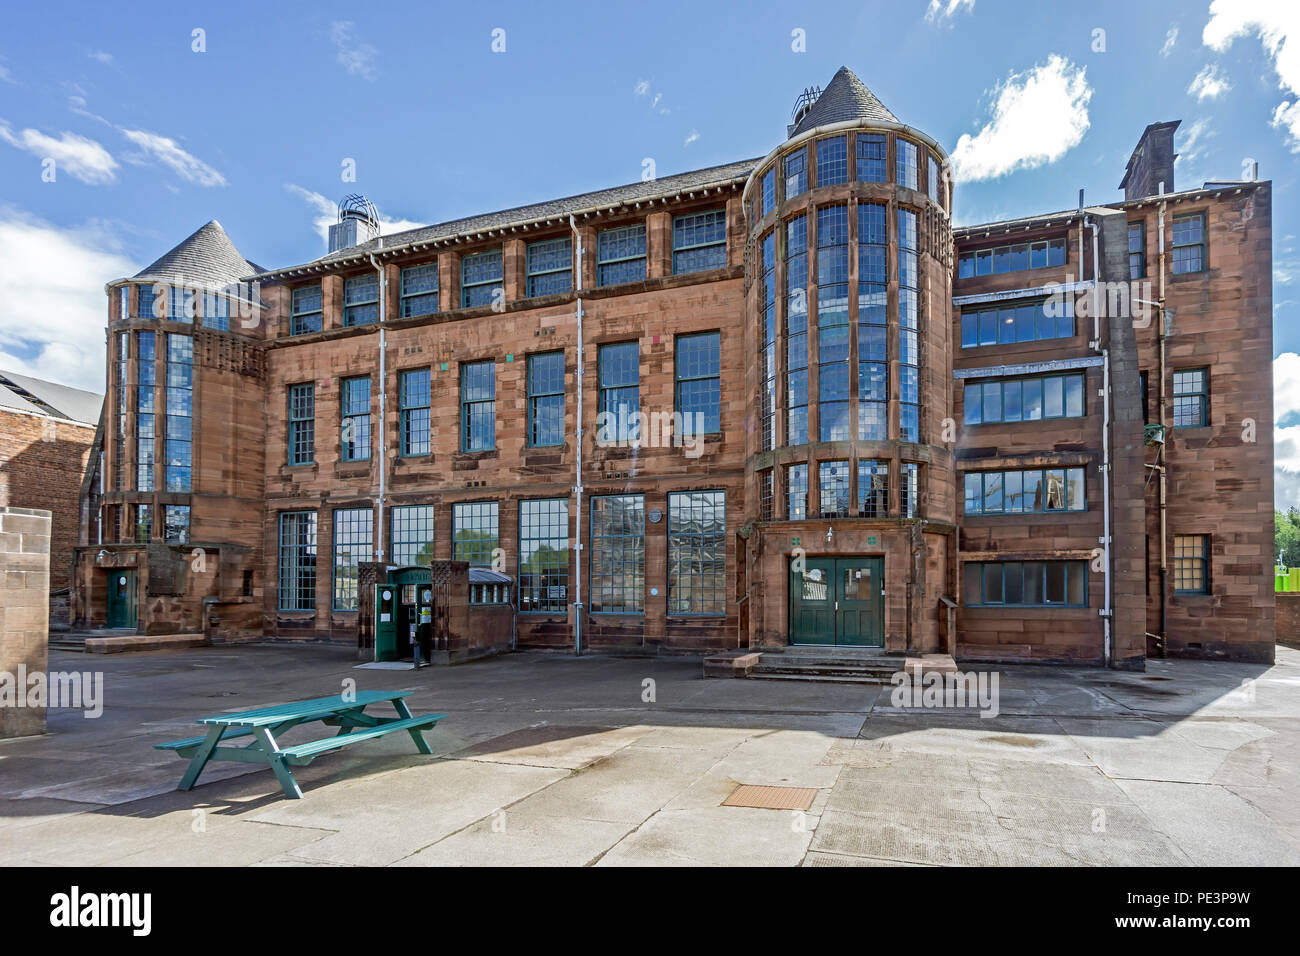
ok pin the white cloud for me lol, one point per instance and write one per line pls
(99, 56)
(168, 152)
(1037, 117)
(52, 325)
(1277, 22)
(1171, 38)
(75, 155)
(1190, 144)
(643, 88)
(1210, 83)
(938, 12)
(1286, 441)
(356, 57)
(691, 137)
(327, 213)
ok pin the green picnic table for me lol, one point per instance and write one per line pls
(346, 712)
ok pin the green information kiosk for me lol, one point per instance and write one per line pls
(403, 614)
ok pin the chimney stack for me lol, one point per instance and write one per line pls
(1152, 162)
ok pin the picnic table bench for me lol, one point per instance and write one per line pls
(347, 713)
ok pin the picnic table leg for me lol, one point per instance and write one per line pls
(404, 712)
(200, 758)
(278, 764)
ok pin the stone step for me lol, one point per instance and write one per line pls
(142, 642)
(873, 679)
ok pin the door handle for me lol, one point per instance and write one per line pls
(837, 605)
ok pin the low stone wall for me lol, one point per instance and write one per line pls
(24, 616)
(1286, 619)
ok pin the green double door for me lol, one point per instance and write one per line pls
(837, 601)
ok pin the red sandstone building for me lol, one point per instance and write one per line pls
(772, 403)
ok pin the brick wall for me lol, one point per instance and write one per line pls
(24, 609)
(1287, 619)
(42, 461)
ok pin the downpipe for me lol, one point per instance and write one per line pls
(383, 426)
(577, 484)
(1107, 531)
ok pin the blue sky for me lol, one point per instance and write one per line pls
(151, 139)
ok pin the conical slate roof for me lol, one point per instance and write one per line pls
(845, 98)
(207, 259)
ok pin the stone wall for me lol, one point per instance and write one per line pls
(24, 613)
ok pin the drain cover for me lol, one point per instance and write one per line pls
(771, 798)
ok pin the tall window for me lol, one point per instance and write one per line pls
(420, 290)
(618, 554)
(873, 322)
(767, 347)
(354, 412)
(833, 323)
(699, 241)
(796, 173)
(180, 412)
(216, 312)
(1025, 583)
(543, 556)
(353, 537)
(905, 163)
(796, 492)
(146, 300)
(1018, 322)
(411, 535)
(176, 524)
(832, 161)
(180, 304)
(1024, 492)
(909, 347)
(909, 492)
(698, 370)
(550, 266)
(697, 552)
(873, 489)
(1192, 563)
(766, 495)
(1191, 397)
(932, 177)
(120, 393)
(480, 279)
(297, 585)
(1025, 399)
(146, 379)
(361, 299)
(796, 331)
(474, 532)
(1137, 250)
(143, 523)
(1189, 243)
(546, 399)
(478, 407)
(305, 312)
(871, 158)
(833, 488)
(769, 191)
(618, 373)
(620, 255)
(302, 424)
(413, 403)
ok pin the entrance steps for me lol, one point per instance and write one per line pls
(838, 665)
(70, 640)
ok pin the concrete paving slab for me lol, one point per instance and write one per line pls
(523, 837)
(716, 836)
(554, 745)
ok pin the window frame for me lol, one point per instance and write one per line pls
(1202, 245)
(471, 551)
(406, 297)
(469, 406)
(680, 378)
(695, 247)
(405, 410)
(409, 520)
(609, 394)
(631, 231)
(305, 565)
(363, 280)
(301, 433)
(1202, 395)
(1069, 474)
(635, 607)
(1140, 227)
(531, 273)
(533, 397)
(470, 289)
(1071, 568)
(347, 417)
(297, 315)
(556, 522)
(695, 545)
(1200, 562)
(355, 522)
